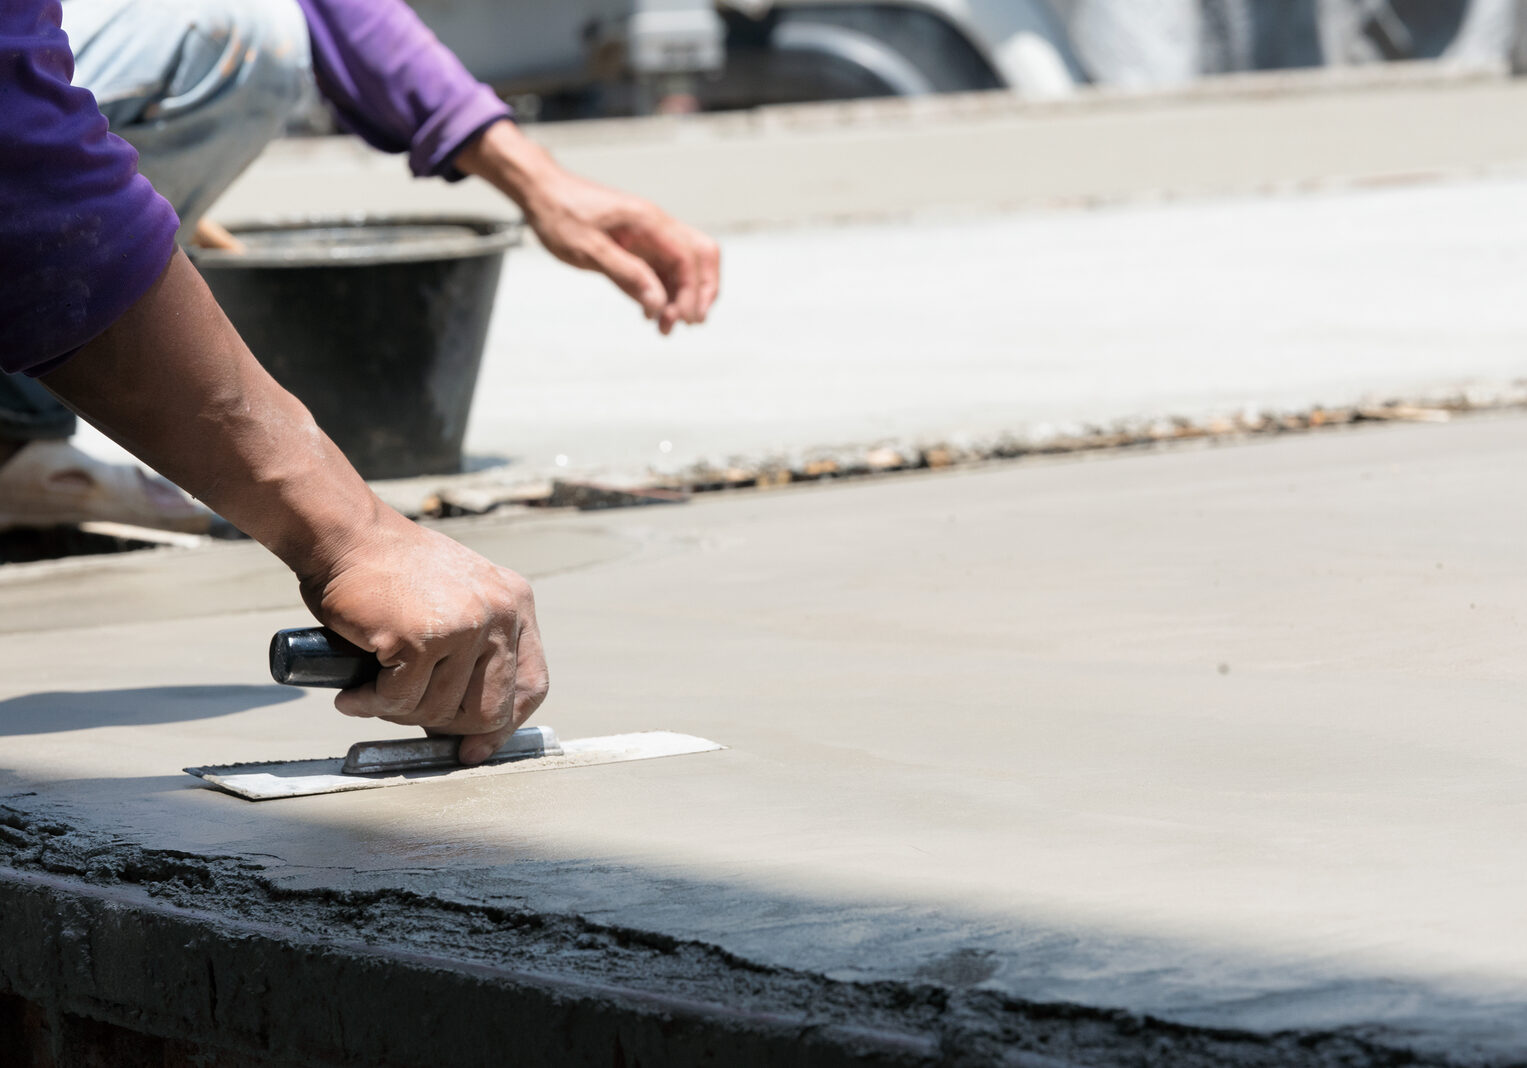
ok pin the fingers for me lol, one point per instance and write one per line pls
(703, 275)
(671, 270)
(693, 275)
(683, 295)
(527, 690)
(533, 681)
(481, 683)
(456, 636)
(459, 693)
(397, 691)
(632, 274)
(444, 697)
(708, 258)
(491, 695)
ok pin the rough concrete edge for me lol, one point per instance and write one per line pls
(498, 495)
(26, 546)
(209, 949)
(34, 570)
(343, 1001)
(489, 492)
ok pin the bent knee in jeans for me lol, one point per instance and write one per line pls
(198, 86)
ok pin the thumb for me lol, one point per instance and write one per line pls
(632, 274)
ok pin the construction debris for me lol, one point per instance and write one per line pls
(592, 496)
(486, 492)
(885, 458)
(468, 499)
(24, 545)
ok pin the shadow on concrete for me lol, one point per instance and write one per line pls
(64, 710)
(13, 787)
(473, 463)
(615, 940)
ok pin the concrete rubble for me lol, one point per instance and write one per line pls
(498, 488)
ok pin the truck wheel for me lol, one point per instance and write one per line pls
(844, 52)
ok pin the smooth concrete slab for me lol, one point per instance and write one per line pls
(956, 307)
(1022, 325)
(1231, 737)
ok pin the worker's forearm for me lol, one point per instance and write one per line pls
(516, 165)
(173, 383)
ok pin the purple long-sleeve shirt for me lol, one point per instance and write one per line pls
(394, 83)
(83, 235)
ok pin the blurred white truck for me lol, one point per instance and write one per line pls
(601, 57)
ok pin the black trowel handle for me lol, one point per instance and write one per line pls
(316, 656)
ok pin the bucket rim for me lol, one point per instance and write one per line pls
(491, 236)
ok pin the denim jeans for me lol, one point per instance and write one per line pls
(199, 88)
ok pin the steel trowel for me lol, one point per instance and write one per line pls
(318, 657)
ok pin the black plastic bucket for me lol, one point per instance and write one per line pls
(376, 323)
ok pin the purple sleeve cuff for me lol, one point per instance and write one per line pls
(436, 144)
(82, 234)
(395, 84)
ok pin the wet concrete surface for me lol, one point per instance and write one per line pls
(1029, 325)
(1209, 755)
(1023, 325)
(960, 304)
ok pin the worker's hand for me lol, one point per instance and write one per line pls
(456, 635)
(672, 270)
(174, 383)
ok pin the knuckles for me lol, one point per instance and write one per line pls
(534, 680)
(477, 620)
(437, 717)
(480, 722)
(516, 588)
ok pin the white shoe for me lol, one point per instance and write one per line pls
(51, 483)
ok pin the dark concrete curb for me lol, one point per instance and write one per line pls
(251, 989)
(116, 955)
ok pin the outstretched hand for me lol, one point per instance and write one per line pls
(672, 270)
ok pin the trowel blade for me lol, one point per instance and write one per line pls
(303, 778)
